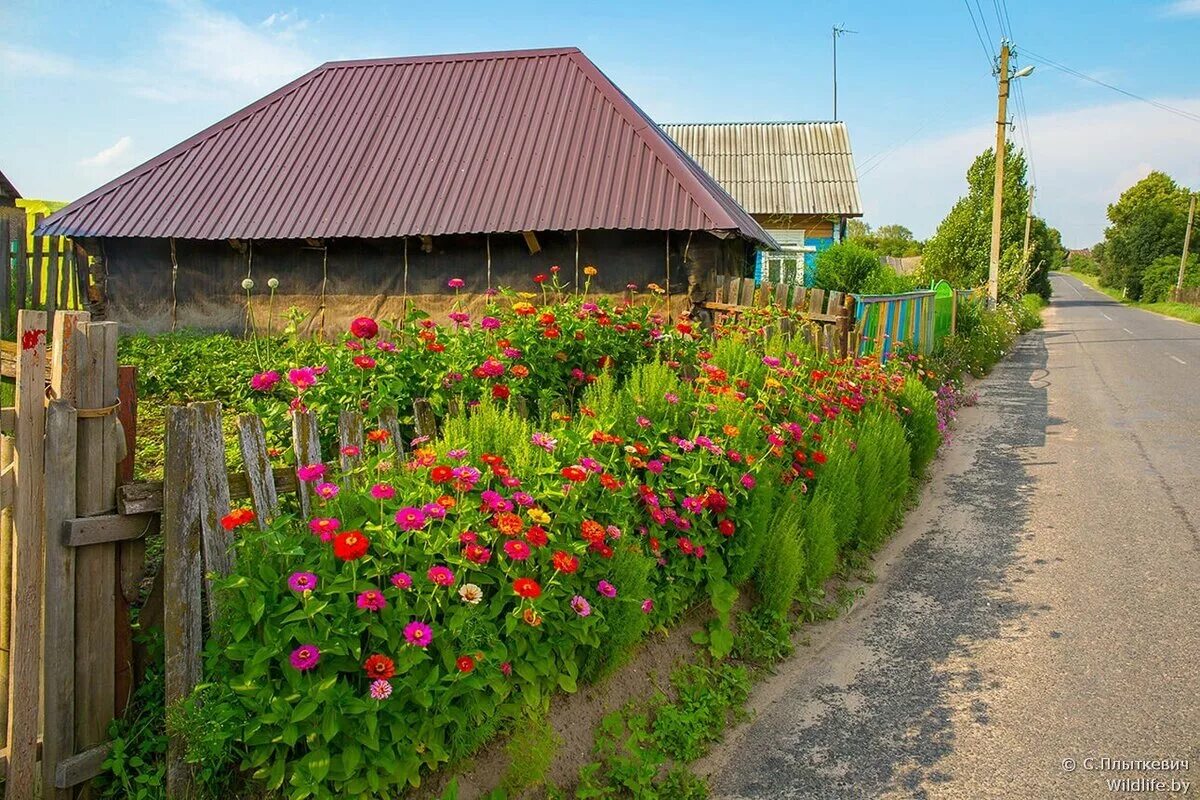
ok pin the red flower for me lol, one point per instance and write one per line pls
(539, 278)
(552, 333)
(350, 545)
(726, 527)
(536, 536)
(364, 328)
(364, 362)
(500, 391)
(379, 667)
(527, 588)
(237, 518)
(508, 523)
(465, 664)
(565, 562)
(378, 436)
(575, 474)
(819, 457)
(441, 473)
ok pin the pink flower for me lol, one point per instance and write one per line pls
(264, 381)
(440, 575)
(671, 398)
(418, 634)
(748, 481)
(410, 519)
(643, 422)
(310, 472)
(383, 491)
(326, 490)
(647, 606)
(301, 582)
(380, 690)
(433, 511)
(770, 361)
(385, 346)
(516, 549)
(581, 606)
(456, 283)
(489, 323)
(402, 580)
(506, 668)
(305, 657)
(302, 377)
(325, 527)
(607, 589)
(655, 466)
(371, 600)
(364, 328)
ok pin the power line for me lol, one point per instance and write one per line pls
(987, 54)
(1163, 106)
(983, 21)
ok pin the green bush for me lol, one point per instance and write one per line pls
(918, 412)
(886, 280)
(1162, 275)
(845, 267)
(820, 541)
(783, 562)
(839, 483)
(883, 474)
(705, 696)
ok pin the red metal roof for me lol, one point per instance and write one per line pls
(511, 141)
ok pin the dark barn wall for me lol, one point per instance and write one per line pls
(366, 276)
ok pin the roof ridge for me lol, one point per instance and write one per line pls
(434, 58)
(749, 122)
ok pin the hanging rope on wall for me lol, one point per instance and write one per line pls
(324, 283)
(249, 266)
(404, 310)
(488, 238)
(576, 262)
(174, 277)
(668, 277)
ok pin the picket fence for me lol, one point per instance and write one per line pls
(825, 320)
(38, 272)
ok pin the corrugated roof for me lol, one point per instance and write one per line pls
(7, 189)
(777, 167)
(471, 143)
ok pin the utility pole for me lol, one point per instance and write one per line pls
(838, 30)
(1187, 244)
(1028, 224)
(998, 189)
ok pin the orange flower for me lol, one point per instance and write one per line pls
(378, 436)
(509, 524)
(527, 588)
(237, 518)
(531, 617)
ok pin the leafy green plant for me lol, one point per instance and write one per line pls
(135, 767)
(705, 697)
(531, 750)
(763, 637)
(919, 413)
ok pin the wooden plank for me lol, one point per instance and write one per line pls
(25, 644)
(306, 444)
(52, 277)
(781, 295)
(252, 441)
(816, 301)
(58, 672)
(144, 497)
(350, 439)
(6, 576)
(131, 553)
(733, 290)
(8, 234)
(390, 422)
(423, 418)
(208, 448)
(31, 264)
(181, 582)
(800, 298)
(7, 486)
(719, 291)
(764, 294)
(84, 531)
(747, 297)
(79, 767)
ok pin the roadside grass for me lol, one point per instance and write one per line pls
(1183, 311)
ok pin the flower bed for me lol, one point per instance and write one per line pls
(430, 601)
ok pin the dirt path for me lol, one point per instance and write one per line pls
(1038, 613)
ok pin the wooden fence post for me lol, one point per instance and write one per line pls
(350, 435)
(212, 480)
(7, 447)
(25, 646)
(423, 418)
(391, 423)
(252, 441)
(181, 582)
(306, 443)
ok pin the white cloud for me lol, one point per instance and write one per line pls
(27, 61)
(1183, 8)
(1084, 159)
(109, 156)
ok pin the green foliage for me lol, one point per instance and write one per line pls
(918, 412)
(886, 240)
(1162, 275)
(886, 280)
(845, 266)
(820, 541)
(839, 483)
(135, 767)
(783, 563)
(758, 531)
(705, 697)
(883, 475)
(1146, 223)
(531, 750)
(764, 637)
(1083, 264)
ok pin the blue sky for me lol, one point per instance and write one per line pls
(113, 83)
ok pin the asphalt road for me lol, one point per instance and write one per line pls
(1040, 610)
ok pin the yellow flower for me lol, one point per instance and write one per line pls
(526, 295)
(539, 516)
(589, 270)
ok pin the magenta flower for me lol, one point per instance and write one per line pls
(301, 582)
(440, 575)
(325, 527)
(402, 580)
(264, 381)
(489, 323)
(643, 422)
(456, 283)
(410, 519)
(302, 378)
(457, 455)
(385, 346)
(516, 549)
(647, 606)
(326, 490)
(383, 491)
(433, 511)
(310, 472)
(371, 600)
(581, 606)
(770, 361)
(544, 441)
(418, 634)
(380, 690)
(607, 589)
(305, 657)
(748, 481)
(671, 398)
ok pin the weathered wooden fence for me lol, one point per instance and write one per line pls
(37, 272)
(67, 570)
(824, 319)
(1188, 294)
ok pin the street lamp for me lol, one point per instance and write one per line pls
(998, 188)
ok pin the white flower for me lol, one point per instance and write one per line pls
(247, 284)
(470, 593)
(273, 283)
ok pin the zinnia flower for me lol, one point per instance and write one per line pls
(310, 472)
(305, 657)
(607, 589)
(379, 667)
(371, 600)
(410, 519)
(237, 518)
(364, 328)
(301, 582)
(383, 491)
(527, 588)
(516, 549)
(440, 575)
(402, 580)
(565, 562)
(581, 606)
(418, 634)
(302, 377)
(350, 545)
(465, 664)
(647, 606)
(264, 381)
(470, 593)
(456, 283)
(380, 690)
(326, 490)
(726, 527)
(325, 527)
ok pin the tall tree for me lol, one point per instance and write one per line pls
(1146, 223)
(960, 249)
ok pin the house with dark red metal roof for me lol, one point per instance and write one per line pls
(365, 183)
